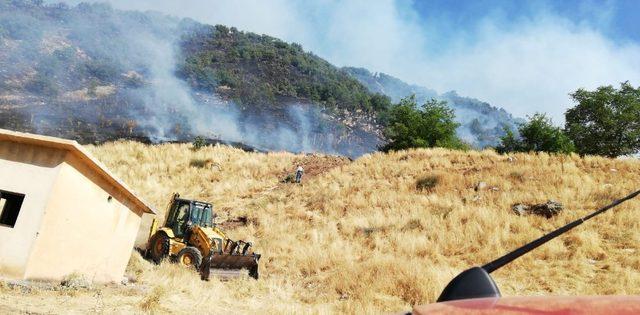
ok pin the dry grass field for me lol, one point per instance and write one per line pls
(359, 237)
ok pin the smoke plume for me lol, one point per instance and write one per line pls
(132, 59)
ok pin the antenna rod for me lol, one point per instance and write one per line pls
(496, 264)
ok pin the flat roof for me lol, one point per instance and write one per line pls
(86, 157)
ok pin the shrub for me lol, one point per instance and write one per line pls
(198, 143)
(432, 125)
(201, 163)
(536, 135)
(290, 178)
(427, 183)
(605, 121)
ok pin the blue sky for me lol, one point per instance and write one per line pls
(616, 19)
(524, 56)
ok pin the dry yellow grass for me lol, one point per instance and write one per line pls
(362, 238)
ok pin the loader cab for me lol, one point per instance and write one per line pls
(183, 213)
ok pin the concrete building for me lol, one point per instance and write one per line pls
(62, 212)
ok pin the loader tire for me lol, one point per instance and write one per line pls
(190, 256)
(159, 247)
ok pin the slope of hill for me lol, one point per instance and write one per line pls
(92, 73)
(359, 238)
(482, 125)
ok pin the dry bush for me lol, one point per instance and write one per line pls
(359, 238)
(201, 163)
(427, 183)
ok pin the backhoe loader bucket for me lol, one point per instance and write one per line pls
(227, 265)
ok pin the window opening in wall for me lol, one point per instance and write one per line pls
(10, 204)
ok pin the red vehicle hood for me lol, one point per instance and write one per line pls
(556, 305)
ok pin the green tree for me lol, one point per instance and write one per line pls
(509, 142)
(536, 135)
(431, 125)
(605, 121)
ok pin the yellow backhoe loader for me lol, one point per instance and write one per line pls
(190, 237)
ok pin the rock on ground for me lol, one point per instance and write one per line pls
(548, 209)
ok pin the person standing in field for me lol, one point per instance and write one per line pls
(299, 172)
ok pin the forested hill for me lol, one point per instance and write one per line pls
(480, 123)
(93, 73)
(260, 70)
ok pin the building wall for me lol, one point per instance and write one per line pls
(84, 231)
(31, 171)
(145, 227)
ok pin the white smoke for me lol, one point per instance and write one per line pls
(526, 65)
(164, 106)
(167, 97)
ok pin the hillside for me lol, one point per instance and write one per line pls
(359, 237)
(481, 124)
(259, 70)
(93, 73)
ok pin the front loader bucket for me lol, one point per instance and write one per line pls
(229, 265)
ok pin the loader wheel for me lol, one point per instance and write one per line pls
(159, 247)
(190, 256)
